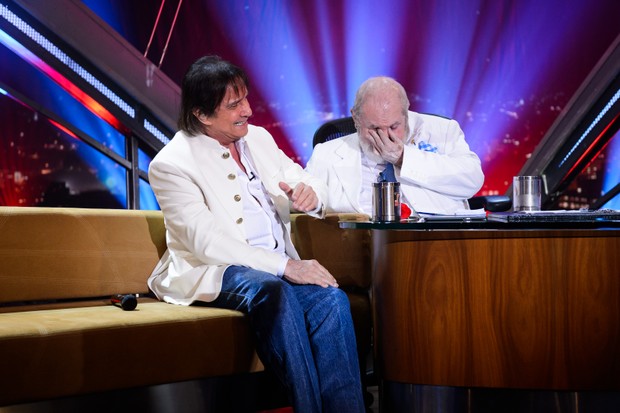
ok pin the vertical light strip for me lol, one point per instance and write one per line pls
(612, 173)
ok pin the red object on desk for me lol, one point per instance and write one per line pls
(405, 211)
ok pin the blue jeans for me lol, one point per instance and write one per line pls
(304, 334)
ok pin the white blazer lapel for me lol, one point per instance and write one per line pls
(348, 168)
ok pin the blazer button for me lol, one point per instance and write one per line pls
(237, 198)
(231, 176)
(226, 155)
(239, 220)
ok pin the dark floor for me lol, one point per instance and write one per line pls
(247, 395)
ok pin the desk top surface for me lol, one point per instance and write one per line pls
(478, 225)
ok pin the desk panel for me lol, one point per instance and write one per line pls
(533, 309)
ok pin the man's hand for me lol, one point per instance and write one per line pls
(389, 147)
(308, 272)
(303, 197)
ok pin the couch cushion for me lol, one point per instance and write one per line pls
(51, 353)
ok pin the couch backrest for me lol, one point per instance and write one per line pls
(344, 252)
(69, 253)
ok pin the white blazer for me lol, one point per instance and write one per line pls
(439, 171)
(194, 180)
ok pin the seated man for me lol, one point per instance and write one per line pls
(430, 158)
(224, 189)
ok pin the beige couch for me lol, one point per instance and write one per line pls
(60, 336)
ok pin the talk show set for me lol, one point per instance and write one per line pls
(323, 206)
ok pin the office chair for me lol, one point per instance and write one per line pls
(337, 128)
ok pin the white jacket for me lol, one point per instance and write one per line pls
(439, 171)
(197, 190)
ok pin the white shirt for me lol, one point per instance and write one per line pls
(262, 224)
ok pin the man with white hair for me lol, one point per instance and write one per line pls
(428, 155)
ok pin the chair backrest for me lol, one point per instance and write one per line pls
(344, 252)
(333, 129)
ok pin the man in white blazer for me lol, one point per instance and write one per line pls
(431, 159)
(225, 190)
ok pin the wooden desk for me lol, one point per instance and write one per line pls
(500, 307)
